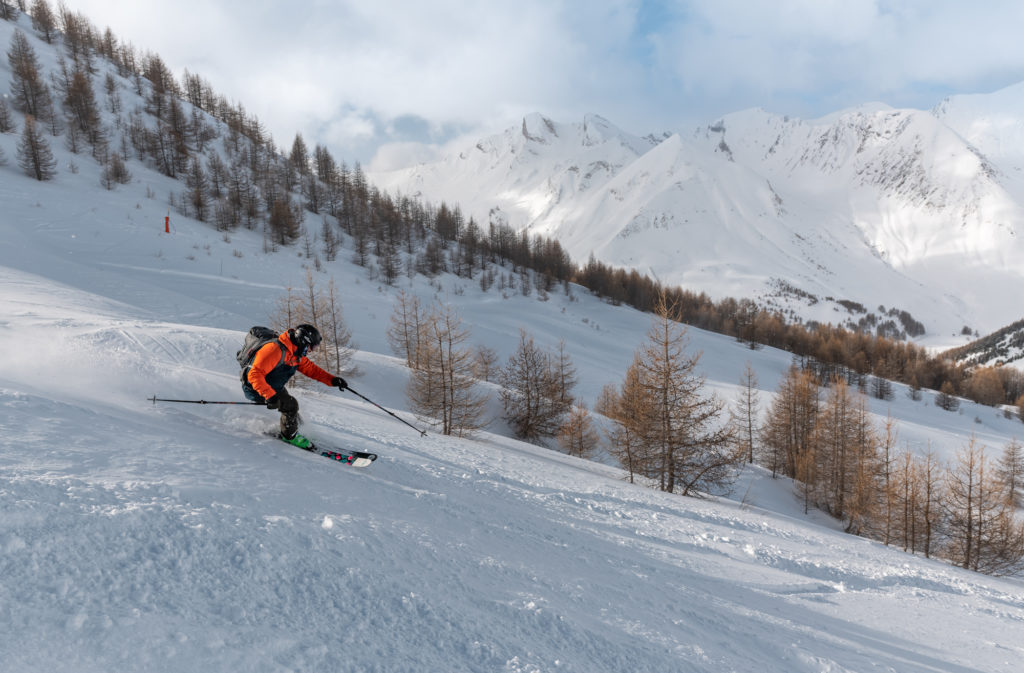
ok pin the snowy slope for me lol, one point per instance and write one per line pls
(168, 538)
(913, 210)
(142, 537)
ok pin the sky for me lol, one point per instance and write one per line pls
(391, 82)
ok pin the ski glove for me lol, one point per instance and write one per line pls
(278, 401)
(339, 383)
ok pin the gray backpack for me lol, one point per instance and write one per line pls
(257, 338)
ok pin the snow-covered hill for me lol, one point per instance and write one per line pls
(139, 537)
(909, 210)
(145, 537)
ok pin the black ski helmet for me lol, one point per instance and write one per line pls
(305, 337)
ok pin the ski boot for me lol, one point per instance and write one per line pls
(299, 441)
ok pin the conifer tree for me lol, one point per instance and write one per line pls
(197, 184)
(692, 444)
(312, 191)
(744, 413)
(34, 154)
(565, 374)
(915, 501)
(983, 534)
(846, 461)
(321, 308)
(442, 389)
(862, 501)
(1011, 472)
(328, 173)
(6, 119)
(577, 436)
(914, 388)
(283, 222)
(627, 408)
(330, 241)
(485, 361)
(786, 432)
(532, 393)
(28, 90)
(887, 466)
(930, 475)
(985, 386)
(338, 347)
(881, 388)
(8, 11)
(404, 331)
(79, 37)
(43, 20)
(390, 261)
(217, 171)
(313, 305)
(946, 399)
(287, 311)
(114, 171)
(299, 155)
(83, 112)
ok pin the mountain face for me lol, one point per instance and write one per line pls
(850, 219)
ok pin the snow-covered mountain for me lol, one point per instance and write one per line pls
(906, 210)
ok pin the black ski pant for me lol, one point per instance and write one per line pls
(289, 416)
(289, 409)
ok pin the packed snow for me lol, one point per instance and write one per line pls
(172, 537)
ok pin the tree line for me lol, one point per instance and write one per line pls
(823, 438)
(535, 385)
(664, 429)
(667, 432)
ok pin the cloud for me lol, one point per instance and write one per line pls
(454, 63)
(800, 56)
(369, 73)
(393, 156)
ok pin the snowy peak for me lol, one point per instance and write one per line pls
(594, 131)
(539, 129)
(873, 205)
(520, 175)
(597, 130)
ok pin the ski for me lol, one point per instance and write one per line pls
(353, 458)
(346, 457)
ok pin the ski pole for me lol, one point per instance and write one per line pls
(156, 399)
(423, 433)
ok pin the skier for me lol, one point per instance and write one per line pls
(274, 365)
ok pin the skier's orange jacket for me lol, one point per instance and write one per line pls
(269, 363)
